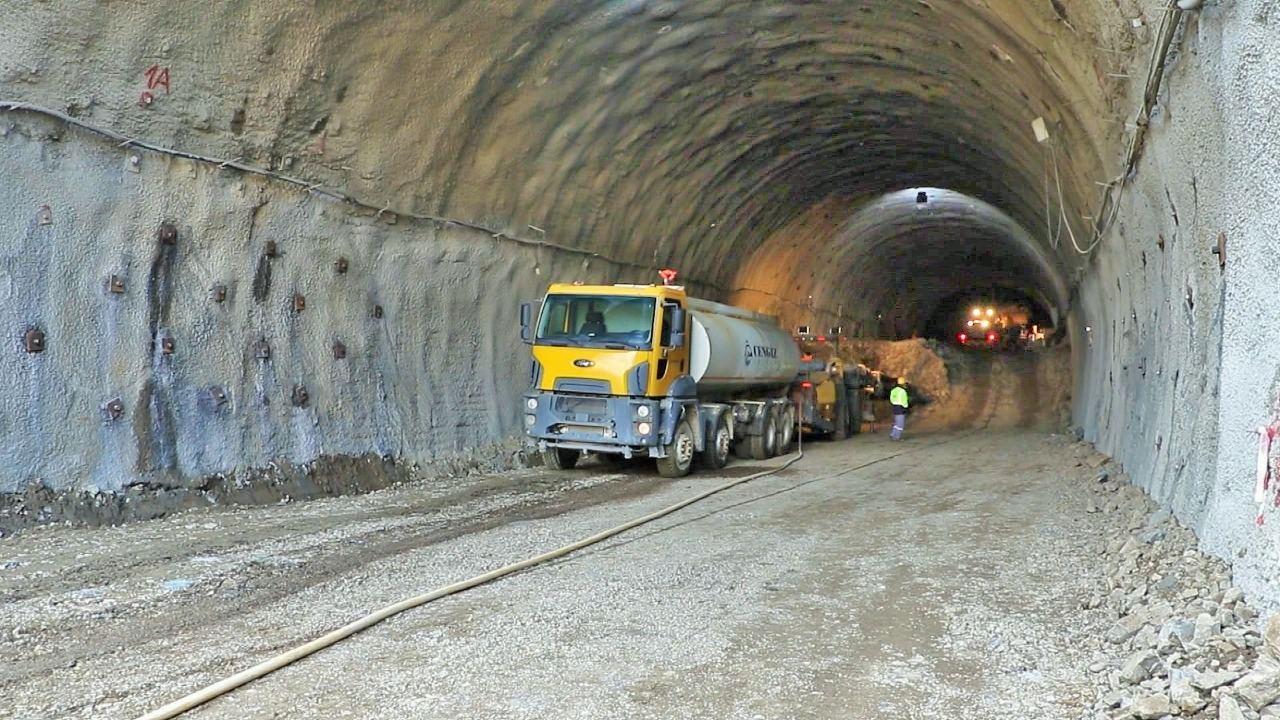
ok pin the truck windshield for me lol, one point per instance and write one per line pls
(604, 321)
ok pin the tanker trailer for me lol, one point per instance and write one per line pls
(647, 371)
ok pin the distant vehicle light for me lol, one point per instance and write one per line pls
(963, 338)
(976, 312)
(991, 312)
(991, 338)
(822, 338)
(806, 385)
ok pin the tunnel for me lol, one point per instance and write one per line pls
(264, 249)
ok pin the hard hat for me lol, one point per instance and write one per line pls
(902, 381)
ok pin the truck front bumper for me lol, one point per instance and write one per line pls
(596, 423)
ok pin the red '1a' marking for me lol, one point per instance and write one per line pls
(158, 77)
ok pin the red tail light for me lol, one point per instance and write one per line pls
(963, 338)
(991, 338)
(806, 385)
(822, 338)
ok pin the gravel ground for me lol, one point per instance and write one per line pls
(945, 582)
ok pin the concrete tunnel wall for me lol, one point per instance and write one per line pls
(755, 146)
(1181, 361)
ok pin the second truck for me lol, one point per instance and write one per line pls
(627, 371)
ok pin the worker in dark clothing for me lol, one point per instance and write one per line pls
(899, 402)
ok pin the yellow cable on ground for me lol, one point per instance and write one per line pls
(243, 677)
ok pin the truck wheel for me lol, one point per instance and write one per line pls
(680, 452)
(842, 413)
(716, 453)
(558, 459)
(787, 433)
(765, 445)
(855, 411)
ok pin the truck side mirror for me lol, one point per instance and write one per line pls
(528, 312)
(677, 326)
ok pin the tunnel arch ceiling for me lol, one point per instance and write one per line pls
(686, 133)
(897, 258)
(651, 132)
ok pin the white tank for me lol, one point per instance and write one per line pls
(733, 349)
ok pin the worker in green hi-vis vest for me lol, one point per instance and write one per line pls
(898, 399)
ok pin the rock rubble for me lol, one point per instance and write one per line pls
(1183, 642)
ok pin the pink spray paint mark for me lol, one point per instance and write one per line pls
(1262, 478)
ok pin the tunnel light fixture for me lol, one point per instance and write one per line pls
(1040, 129)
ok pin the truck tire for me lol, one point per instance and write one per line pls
(786, 430)
(765, 445)
(679, 459)
(559, 459)
(715, 454)
(842, 413)
(855, 411)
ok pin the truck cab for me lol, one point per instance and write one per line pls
(606, 361)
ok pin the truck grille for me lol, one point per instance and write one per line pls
(577, 385)
(572, 405)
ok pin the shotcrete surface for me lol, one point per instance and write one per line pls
(1177, 356)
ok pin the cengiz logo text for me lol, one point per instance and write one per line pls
(755, 351)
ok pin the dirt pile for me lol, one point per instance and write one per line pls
(918, 360)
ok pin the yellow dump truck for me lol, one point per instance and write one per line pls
(647, 371)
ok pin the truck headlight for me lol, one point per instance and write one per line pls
(642, 411)
(644, 428)
(529, 420)
(531, 403)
